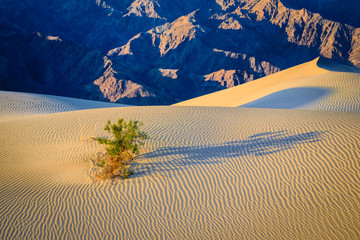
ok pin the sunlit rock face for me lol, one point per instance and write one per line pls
(161, 51)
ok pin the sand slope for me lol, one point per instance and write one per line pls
(16, 104)
(206, 173)
(315, 85)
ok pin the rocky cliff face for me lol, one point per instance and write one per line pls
(161, 51)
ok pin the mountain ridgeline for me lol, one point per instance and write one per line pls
(147, 52)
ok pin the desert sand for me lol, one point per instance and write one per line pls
(316, 85)
(205, 173)
(16, 104)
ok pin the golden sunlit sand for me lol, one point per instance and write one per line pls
(205, 172)
(315, 85)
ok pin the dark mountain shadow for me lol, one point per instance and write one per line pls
(330, 65)
(289, 99)
(87, 30)
(257, 145)
(345, 11)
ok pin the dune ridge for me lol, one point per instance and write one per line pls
(316, 85)
(205, 173)
(16, 104)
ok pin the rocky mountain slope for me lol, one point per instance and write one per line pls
(161, 51)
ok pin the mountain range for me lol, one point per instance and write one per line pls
(147, 52)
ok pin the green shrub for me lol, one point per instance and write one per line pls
(127, 137)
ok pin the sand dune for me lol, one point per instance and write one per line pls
(316, 85)
(15, 104)
(206, 173)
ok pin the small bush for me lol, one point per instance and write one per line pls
(120, 150)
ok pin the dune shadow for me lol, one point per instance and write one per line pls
(331, 65)
(168, 159)
(290, 98)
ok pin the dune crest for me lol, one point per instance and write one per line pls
(316, 85)
(16, 104)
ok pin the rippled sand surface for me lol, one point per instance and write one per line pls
(16, 104)
(205, 173)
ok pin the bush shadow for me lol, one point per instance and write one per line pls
(168, 159)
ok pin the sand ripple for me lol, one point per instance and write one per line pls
(206, 173)
(16, 104)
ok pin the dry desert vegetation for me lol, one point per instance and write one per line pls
(276, 158)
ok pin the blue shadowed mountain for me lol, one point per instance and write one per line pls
(147, 52)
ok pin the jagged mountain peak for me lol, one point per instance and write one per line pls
(163, 38)
(264, 9)
(170, 36)
(161, 51)
(146, 8)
